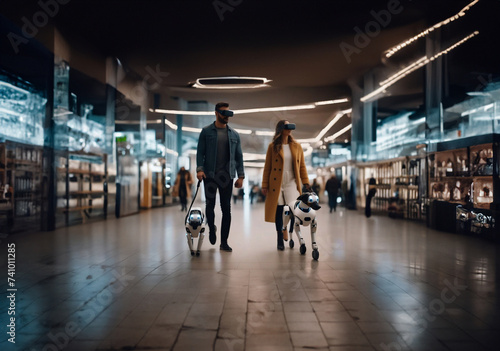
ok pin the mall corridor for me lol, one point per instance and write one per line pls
(131, 284)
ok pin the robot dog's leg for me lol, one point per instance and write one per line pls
(299, 236)
(190, 243)
(287, 214)
(314, 226)
(201, 236)
(315, 252)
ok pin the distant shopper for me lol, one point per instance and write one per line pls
(219, 158)
(316, 187)
(254, 192)
(332, 188)
(284, 173)
(372, 189)
(182, 187)
(236, 193)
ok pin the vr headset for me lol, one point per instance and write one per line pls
(226, 113)
(289, 126)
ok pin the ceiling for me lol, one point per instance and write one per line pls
(296, 44)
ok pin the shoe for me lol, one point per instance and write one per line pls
(281, 244)
(285, 234)
(213, 236)
(226, 247)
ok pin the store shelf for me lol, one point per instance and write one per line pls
(21, 174)
(398, 186)
(80, 187)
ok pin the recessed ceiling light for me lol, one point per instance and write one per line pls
(231, 82)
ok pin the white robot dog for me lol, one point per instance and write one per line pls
(195, 225)
(304, 210)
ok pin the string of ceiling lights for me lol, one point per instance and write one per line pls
(316, 139)
(390, 52)
(411, 68)
(423, 60)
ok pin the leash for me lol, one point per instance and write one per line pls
(192, 201)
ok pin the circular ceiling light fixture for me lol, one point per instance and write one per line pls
(231, 82)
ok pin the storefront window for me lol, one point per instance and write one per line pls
(22, 111)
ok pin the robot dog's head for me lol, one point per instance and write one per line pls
(195, 219)
(311, 200)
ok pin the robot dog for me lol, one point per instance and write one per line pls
(195, 225)
(304, 212)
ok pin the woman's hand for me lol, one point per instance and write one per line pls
(264, 191)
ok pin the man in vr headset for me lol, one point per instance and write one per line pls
(219, 158)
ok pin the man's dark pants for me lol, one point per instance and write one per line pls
(224, 184)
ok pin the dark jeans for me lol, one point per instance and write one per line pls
(332, 201)
(368, 205)
(224, 184)
(183, 201)
(279, 219)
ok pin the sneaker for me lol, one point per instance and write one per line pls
(212, 236)
(226, 247)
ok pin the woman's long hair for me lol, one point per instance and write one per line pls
(277, 139)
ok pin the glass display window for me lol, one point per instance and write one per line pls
(482, 160)
(22, 111)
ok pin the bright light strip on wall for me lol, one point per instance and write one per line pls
(414, 66)
(253, 110)
(331, 102)
(243, 131)
(470, 112)
(247, 156)
(275, 109)
(172, 152)
(316, 139)
(327, 128)
(264, 133)
(170, 124)
(254, 164)
(486, 119)
(419, 63)
(400, 46)
(191, 129)
(182, 112)
(339, 133)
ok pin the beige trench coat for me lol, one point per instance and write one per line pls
(189, 181)
(273, 174)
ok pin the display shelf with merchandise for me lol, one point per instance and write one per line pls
(20, 186)
(397, 184)
(464, 174)
(81, 187)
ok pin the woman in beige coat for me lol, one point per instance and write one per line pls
(284, 174)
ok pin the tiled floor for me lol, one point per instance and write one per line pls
(131, 284)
